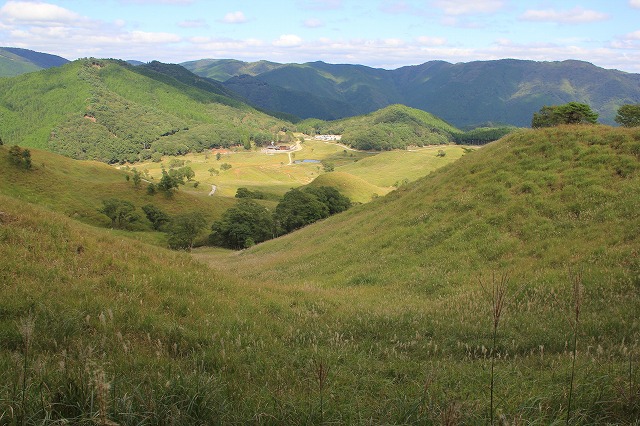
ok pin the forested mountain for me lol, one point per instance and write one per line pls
(15, 61)
(111, 111)
(157, 69)
(465, 94)
(276, 98)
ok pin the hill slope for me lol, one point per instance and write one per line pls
(112, 112)
(15, 61)
(531, 201)
(77, 189)
(393, 127)
(276, 98)
(464, 94)
(373, 316)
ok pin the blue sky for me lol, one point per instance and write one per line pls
(378, 33)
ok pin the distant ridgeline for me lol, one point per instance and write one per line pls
(15, 61)
(464, 94)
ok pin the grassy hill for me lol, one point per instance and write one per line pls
(393, 127)
(417, 267)
(379, 315)
(353, 187)
(77, 190)
(112, 112)
(15, 61)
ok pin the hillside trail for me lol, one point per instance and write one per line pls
(296, 148)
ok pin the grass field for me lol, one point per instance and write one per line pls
(272, 173)
(383, 314)
(77, 189)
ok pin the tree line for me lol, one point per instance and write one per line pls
(250, 223)
(242, 226)
(578, 113)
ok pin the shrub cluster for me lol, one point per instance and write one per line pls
(249, 223)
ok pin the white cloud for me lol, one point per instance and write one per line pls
(235, 18)
(630, 41)
(144, 37)
(466, 7)
(634, 3)
(577, 15)
(288, 40)
(38, 13)
(313, 23)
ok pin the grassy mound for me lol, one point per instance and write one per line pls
(353, 187)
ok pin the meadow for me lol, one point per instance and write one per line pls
(271, 173)
(500, 288)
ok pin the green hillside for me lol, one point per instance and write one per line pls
(378, 315)
(393, 127)
(112, 112)
(298, 103)
(540, 208)
(224, 69)
(77, 190)
(534, 199)
(353, 187)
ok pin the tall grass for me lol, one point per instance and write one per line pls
(576, 281)
(234, 341)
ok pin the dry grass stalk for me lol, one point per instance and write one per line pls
(576, 280)
(321, 373)
(498, 297)
(26, 326)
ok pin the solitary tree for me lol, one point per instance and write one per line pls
(184, 229)
(156, 216)
(243, 225)
(628, 115)
(570, 113)
(168, 183)
(137, 178)
(121, 212)
(20, 157)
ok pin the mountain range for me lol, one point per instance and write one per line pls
(506, 91)
(466, 95)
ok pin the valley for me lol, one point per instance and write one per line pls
(272, 174)
(493, 283)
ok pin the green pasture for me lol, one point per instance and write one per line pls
(273, 174)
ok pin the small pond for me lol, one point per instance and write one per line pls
(306, 161)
